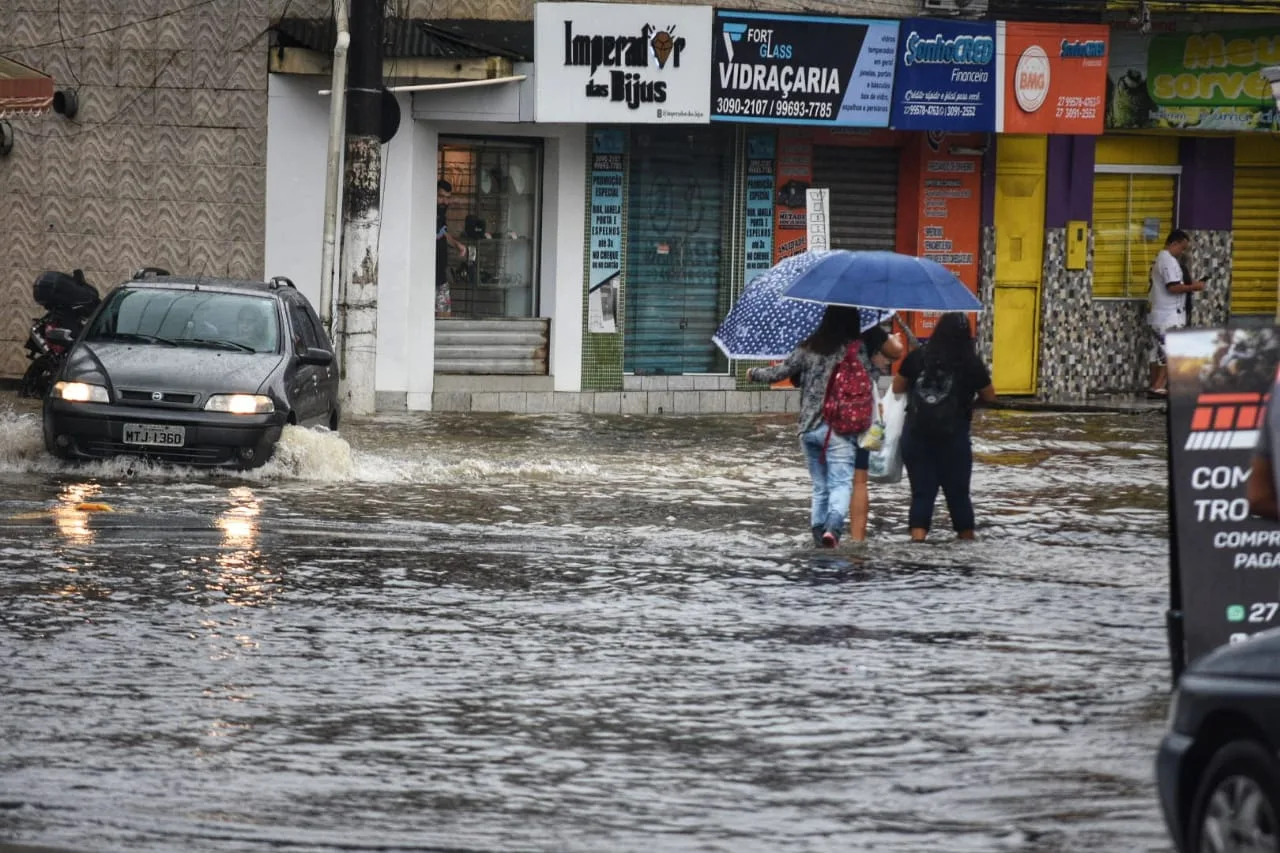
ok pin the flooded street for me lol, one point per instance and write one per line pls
(498, 633)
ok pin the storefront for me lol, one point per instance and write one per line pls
(1255, 226)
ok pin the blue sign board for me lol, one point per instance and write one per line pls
(946, 76)
(796, 69)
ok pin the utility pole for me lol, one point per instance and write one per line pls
(361, 213)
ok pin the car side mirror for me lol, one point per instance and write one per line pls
(63, 337)
(316, 356)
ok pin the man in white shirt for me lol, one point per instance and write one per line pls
(1168, 300)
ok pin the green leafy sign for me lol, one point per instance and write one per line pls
(1212, 69)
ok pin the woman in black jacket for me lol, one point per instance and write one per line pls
(943, 379)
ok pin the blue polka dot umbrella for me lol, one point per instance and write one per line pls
(763, 325)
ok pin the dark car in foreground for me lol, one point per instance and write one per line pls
(195, 371)
(1218, 767)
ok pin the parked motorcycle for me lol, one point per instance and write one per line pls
(68, 301)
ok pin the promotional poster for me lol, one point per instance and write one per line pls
(793, 69)
(761, 153)
(946, 76)
(1228, 562)
(607, 176)
(1194, 81)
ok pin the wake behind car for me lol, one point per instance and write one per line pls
(1218, 768)
(196, 371)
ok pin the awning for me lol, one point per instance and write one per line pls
(24, 91)
(414, 50)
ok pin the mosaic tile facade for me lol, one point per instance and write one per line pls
(987, 292)
(163, 165)
(1210, 260)
(516, 10)
(1092, 347)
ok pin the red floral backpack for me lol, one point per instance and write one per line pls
(847, 408)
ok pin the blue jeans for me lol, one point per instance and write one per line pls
(832, 476)
(934, 462)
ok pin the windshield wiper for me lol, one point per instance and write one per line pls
(134, 336)
(219, 342)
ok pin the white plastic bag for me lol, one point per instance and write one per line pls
(886, 463)
(873, 438)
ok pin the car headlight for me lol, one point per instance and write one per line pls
(240, 404)
(81, 392)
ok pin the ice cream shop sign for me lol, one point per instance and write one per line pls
(603, 62)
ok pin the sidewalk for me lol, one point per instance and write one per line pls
(1138, 403)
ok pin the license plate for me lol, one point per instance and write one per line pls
(166, 436)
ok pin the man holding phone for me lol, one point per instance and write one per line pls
(1170, 301)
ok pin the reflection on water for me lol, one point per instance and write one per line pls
(577, 633)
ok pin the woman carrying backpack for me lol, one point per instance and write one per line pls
(941, 379)
(831, 451)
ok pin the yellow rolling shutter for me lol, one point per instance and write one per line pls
(1255, 251)
(1132, 215)
(1110, 234)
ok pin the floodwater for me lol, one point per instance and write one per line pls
(568, 633)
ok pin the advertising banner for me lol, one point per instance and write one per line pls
(1228, 563)
(608, 168)
(950, 213)
(946, 76)
(605, 63)
(1054, 77)
(761, 152)
(793, 69)
(1193, 81)
(795, 173)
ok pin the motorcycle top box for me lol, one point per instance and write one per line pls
(57, 291)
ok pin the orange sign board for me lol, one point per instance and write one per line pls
(1054, 77)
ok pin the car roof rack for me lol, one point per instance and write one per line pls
(150, 272)
(281, 281)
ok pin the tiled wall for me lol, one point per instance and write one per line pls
(987, 292)
(1091, 347)
(1210, 260)
(165, 163)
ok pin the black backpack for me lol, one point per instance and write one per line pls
(934, 407)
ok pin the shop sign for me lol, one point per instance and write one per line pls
(946, 76)
(604, 63)
(1193, 81)
(1054, 77)
(794, 69)
(761, 152)
(795, 174)
(608, 168)
(1228, 563)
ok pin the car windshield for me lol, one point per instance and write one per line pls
(189, 318)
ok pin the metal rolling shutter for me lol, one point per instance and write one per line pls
(1255, 250)
(864, 195)
(680, 178)
(1123, 247)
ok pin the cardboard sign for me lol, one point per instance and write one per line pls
(1054, 77)
(1227, 562)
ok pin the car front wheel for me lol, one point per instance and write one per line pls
(1237, 802)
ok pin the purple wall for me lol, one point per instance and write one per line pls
(1069, 180)
(1207, 179)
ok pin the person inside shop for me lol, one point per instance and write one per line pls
(444, 301)
(1169, 296)
(942, 380)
